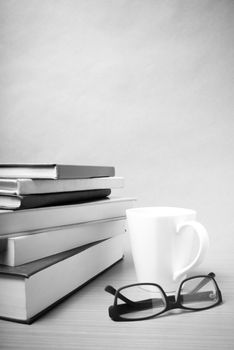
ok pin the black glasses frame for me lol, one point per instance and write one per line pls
(171, 301)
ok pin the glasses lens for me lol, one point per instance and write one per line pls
(199, 293)
(136, 302)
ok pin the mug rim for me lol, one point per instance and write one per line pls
(161, 211)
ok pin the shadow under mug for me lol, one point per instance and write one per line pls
(162, 244)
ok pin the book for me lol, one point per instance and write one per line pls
(29, 290)
(30, 186)
(50, 199)
(20, 250)
(27, 220)
(54, 171)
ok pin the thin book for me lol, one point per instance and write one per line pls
(26, 248)
(54, 171)
(37, 186)
(20, 202)
(28, 220)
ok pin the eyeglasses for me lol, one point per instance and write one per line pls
(143, 301)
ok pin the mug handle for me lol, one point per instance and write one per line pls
(203, 238)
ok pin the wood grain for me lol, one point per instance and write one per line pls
(82, 321)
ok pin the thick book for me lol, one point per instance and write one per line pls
(30, 186)
(50, 199)
(20, 250)
(29, 290)
(54, 171)
(28, 220)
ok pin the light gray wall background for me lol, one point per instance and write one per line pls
(146, 86)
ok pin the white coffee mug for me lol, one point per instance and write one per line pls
(162, 245)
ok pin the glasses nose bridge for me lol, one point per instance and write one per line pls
(172, 302)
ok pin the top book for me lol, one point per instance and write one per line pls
(54, 171)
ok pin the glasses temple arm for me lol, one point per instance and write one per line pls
(113, 291)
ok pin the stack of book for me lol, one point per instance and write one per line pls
(58, 230)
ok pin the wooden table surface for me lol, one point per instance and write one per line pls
(82, 321)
